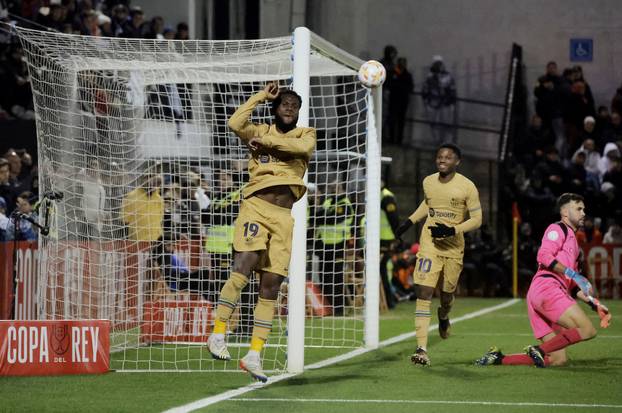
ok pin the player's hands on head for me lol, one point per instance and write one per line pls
(442, 231)
(272, 90)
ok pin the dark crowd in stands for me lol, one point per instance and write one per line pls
(109, 18)
(572, 144)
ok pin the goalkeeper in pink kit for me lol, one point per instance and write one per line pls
(556, 318)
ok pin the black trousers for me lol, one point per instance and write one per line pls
(332, 276)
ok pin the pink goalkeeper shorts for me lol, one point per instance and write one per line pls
(547, 300)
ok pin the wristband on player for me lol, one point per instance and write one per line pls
(580, 280)
(570, 273)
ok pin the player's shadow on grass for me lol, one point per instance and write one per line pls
(324, 379)
(599, 365)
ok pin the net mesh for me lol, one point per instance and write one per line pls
(134, 134)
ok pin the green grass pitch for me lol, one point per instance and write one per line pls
(379, 381)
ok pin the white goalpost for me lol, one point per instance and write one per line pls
(134, 133)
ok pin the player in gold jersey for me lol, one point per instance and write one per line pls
(451, 208)
(280, 155)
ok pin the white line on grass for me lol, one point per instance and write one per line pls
(333, 360)
(600, 335)
(470, 402)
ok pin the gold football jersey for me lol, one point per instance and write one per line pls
(455, 204)
(284, 158)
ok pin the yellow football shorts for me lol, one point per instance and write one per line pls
(262, 226)
(430, 267)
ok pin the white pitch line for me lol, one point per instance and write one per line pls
(198, 404)
(463, 402)
(600, 336)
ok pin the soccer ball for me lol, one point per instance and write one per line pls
(372, 74)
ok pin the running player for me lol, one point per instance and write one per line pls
(451, 208)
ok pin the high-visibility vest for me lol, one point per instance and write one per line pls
(386, 232)
(220, 237)
(331, 234)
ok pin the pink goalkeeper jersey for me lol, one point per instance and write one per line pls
(558, 246)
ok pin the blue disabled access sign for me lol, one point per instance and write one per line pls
(581, 50)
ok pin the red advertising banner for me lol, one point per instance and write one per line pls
(45, 348)
(604, 268)
(81, 280)
(176, 321)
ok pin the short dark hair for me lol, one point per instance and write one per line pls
(453, 148)
(28, 196)
(276, 102)
(567, 198)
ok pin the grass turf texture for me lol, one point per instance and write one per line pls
(593, 376)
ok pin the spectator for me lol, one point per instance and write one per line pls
(134, 27)
(610, 152)
(17, 87)
(183, 32)
(21, 227)
(143, 209)
(589, 232)
(538, 202)
(90, 24)
(539, 137)
(578, 107)
(577, 175)
(93, 200)
(592, 157)
(603, 126)
(105, 25)
(56, 17)
(549, 103)
(19, 181)
(552, 172)
(388, 61)
(4, 221)
(401, 85)
(119, 20)
(155, 30)
(588, 132)
(578, 73)
(7, 191)
(613, 234)
(168, 33)
(439, 97)
(615, 131)
(614, 176)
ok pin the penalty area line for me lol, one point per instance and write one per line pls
(199, 404)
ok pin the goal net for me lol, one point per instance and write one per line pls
(134, 134)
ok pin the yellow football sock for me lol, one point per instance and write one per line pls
(264, 313)
(422, 322)
(229, 296)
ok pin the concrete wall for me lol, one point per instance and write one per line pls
(473, 36)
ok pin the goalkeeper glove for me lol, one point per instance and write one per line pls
(580, 280)
(602, 310)
(442, 231)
